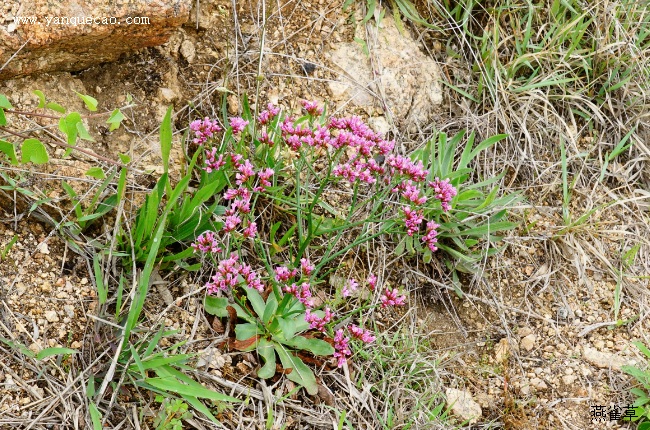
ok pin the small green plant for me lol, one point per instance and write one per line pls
(642, 403)
(172, 414)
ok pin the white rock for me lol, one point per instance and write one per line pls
(379, 125)
(43, 248)
(51, 316)
(400, 75)
(605, 360)
(569, 379)
(167, 94)
(528, 342)
(463, 405)
(188, 51)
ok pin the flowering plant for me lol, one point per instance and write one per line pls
(326, 185)
(274, 202)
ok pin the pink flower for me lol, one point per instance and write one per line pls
(430, 238)
(301, 292)
(411, 193)
(372, 282)
(283, 274)
(412, 220)
(364, 335)
(212, 163)
(312, 107)
(207, 242)
(267, 115)
(316, 322)
(232, 222)
(245, 170)
(264, 176)
(203, 129)
(404, 166)
(392, 298)
(238, 124)
(306, 266)
(341, 347)
(251, 230)
(444, 192)
(349, 287)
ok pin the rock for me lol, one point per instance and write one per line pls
(188, 51)
(528, 342)
(524, 331)
(404, 79)
(42, 248)
(463, 405)
(71, 35)
(51, 316)
(605, 360)
(569, 379)
(538, 384)
(167, 95)
(379, 125)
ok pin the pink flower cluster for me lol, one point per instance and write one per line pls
(207, 242)
(392, 298)
(444, 192)
(341, 347)
(342, 343)
(430, 237)
(365, 336)
(349, 287)
(301, 292)
(227, 275)
(212, 163)
(312, 107)
(316, 322)
(203, 130)
(412, 219)
(238, 124)
(267, 115)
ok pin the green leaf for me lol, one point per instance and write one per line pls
(90, 102)
(216, 306)
(247, 330)
(256, 301)
(9, 150)
(55, 107)
(270, 309)
(34, 151)
(3, 118)
(48, 352)
(95, 416)
(313, 345)
(41, 98)
(301, 374)
(83, 133)
(115, 120)
(174, 385)
(642, 347)
(96, 172)
(4, 102)
(267, 352)
(166, 138)
(102, 290)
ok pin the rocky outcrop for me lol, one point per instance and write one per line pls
(71, 35)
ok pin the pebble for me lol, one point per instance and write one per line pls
(528, 342)
(51, 316)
